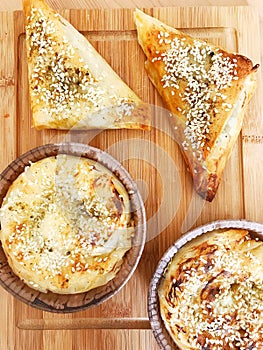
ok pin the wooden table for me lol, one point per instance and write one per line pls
(121, 323)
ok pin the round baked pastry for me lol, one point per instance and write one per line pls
(66, 224)
(211, 296)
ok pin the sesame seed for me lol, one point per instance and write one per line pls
(189, 62)
(55, 81)
(70, 223)
(222, 304)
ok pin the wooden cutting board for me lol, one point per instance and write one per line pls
(153, 159)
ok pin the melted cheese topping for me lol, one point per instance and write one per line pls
(212, 293)
(66, 224)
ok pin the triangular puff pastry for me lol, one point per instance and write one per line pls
(71, 85)
(206, 88)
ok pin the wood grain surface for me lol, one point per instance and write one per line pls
(11, 5)
(153, 159)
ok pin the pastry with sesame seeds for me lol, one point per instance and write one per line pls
(66, 225)
(206, 88)
(70, 83)
(211, 294)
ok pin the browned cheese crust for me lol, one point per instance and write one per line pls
(212, 291)
(206, 88)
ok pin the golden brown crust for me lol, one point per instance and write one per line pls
(71, 85)
(207, 90)
(66, 225)
(211, 293)
(29, 4)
